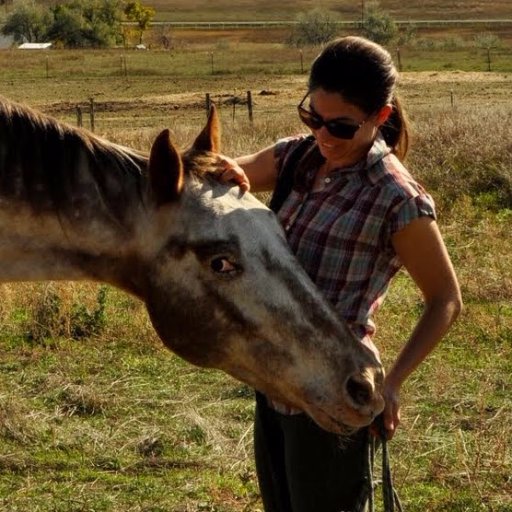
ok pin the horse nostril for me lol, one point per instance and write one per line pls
(361, 391)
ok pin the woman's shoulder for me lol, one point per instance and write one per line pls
(392, 175)
(290, 150)
(285, 145)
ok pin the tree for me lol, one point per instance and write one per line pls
(314, 27)
(75, 23)
(28, 22)
(140, 14)
(488, 41)
(102, 21)
(379, 26)
(66, 27)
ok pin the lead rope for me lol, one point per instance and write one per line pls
(389, 495)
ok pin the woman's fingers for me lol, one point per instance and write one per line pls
(230, 171)
(236, 176)
(392, 414)
(390, 417)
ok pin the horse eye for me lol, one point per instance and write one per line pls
(222, 265)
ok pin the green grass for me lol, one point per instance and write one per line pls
(116, 423)
(232, 60)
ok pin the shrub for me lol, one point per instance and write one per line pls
(50, 318)
(379, 26)
(314, 27)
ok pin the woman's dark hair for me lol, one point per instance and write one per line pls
(364, 74)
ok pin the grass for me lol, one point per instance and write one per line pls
(110, 421)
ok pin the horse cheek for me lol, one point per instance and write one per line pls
(186, 328)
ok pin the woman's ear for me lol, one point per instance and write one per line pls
(384, 113)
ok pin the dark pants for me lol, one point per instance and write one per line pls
(303, 468)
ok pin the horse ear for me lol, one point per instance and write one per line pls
(165, 170)
(209, 138)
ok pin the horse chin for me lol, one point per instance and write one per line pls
(346, 425)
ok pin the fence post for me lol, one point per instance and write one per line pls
(91, 113)
(301, 61)
(399, 59)
(78, 116)
(452, 99)
(488, 59)
(249, 105)
(208, 104)
(211, 61)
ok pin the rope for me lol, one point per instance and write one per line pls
(390, 497)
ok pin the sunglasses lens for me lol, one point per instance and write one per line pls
(342, 130)
(337, 129)
(309, 119)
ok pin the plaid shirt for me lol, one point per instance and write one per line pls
(342, 233)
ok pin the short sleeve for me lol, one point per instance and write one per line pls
(282, 149)
(421, 205)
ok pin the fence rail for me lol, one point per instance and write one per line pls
(348, 24)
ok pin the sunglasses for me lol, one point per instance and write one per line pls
(336, 127)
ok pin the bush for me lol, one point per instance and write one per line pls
(314, 27)
(379, 26)
(50, 318)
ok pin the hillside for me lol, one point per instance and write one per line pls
(348, 9)
(248, 10)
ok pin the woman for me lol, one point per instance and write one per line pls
(354, 217)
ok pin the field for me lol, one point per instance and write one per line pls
(246, 10)
(96, 416)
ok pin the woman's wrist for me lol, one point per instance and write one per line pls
(393, 380)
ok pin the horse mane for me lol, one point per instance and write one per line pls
(38, 122)
(42, 159)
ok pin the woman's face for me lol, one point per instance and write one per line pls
(329, 106)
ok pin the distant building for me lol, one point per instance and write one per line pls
(35, 46)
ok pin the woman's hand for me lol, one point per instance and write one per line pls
(391, 411)
(230, 171)
(390, 416)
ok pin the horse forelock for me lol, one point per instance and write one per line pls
(200, 164)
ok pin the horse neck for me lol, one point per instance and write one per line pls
(69, 205)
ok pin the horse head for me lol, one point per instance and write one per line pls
(223, 290)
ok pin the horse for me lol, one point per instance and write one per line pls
(210, 262)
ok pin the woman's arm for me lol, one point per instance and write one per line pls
(257, 171)
(421, 249)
